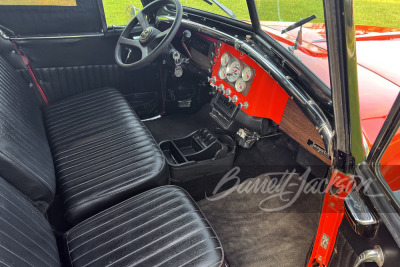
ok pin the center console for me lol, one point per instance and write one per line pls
(199, 154)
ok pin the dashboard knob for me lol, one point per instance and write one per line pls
(228, 92)
(229, 99)
(245, 105)
(234, 99)
(213, 80)
(240, 105)
(221, 88)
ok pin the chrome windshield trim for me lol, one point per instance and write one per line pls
(365, 144)
(301, 98)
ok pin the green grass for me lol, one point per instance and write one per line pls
(366, 12)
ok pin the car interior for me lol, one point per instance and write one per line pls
(114, 146)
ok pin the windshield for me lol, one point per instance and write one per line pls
(299, 27)
(235, 9)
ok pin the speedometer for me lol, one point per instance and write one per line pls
(233, 70)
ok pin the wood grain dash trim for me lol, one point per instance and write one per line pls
(295, 124)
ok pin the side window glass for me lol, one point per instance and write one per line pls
(390, 165)
(120, 12)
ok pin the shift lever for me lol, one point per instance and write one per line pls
(186, 36)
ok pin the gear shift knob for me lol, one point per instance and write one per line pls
(186, 35)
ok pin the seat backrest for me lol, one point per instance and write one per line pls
(25, 157)
(26, 238)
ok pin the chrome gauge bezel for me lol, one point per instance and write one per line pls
(229, 70)
(237, 87)
(245, 69)
(226, 54)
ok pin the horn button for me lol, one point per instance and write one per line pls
(148, 35)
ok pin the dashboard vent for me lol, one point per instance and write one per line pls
(276, 57)
(289, 68)
(223, 111)
(226, 106)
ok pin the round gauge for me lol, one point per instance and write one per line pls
(225, 59)
(233, 70)
(247, 74)
(240, 85)
(222, 73)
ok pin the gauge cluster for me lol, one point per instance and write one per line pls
(236, 73)
(241, 82)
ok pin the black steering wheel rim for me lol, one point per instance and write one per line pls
(147, 33)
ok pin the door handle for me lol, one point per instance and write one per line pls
(371, 255)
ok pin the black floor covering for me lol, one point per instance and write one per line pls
(252, 236)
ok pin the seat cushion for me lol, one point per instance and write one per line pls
(102, 152)
(163, 226)
(25, 157)
(26, 238)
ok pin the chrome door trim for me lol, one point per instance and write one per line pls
(54, 37)
(359, 215)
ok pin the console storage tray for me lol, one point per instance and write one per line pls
(198, 154)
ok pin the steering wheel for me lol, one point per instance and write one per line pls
(151, 41)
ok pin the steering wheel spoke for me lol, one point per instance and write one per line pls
(161, 35)
(131, 42)
(142, 20)
(145, 51)
(134, 42)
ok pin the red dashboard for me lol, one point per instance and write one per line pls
(263, 97)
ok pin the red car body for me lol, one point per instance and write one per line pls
(378, 62)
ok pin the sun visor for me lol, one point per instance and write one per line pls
(50, 17)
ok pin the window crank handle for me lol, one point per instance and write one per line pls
(371, 255)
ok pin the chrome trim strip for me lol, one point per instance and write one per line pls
(4, 35)
(302, 99)
(47, 37)
(152, 118)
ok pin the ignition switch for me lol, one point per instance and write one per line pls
(178, 60)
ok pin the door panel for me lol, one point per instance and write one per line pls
(349, 245)
(69, 66)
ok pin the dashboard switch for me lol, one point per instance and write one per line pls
(245, 105)
(221, 88)
(240, 105)
(234, 99)
(228, 92)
